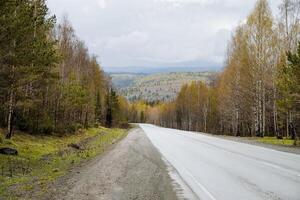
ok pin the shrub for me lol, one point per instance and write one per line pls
(124, 125)
(297, 142)
(46, 128)
(1, 138)
(73, 128)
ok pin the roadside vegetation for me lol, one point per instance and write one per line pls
(275, 141)
(53, 93)
(258, 92)
(42, 159)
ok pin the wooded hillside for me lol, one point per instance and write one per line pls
(155, 87)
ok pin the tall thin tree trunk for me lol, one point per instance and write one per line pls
(287, 124)
(237, 121)
(263, 111)
(275, 111)
(286, 7)
(205, 123)
(10, 113)
(11, 95)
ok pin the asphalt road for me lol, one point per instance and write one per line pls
(219, 169)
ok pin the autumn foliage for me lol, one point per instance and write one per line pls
(257, 93)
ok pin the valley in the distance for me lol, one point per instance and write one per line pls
(155, 87)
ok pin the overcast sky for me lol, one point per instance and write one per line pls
(156, 33)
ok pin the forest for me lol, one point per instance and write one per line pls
(49, 81)
(258, 91)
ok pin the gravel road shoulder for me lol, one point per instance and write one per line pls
(132, 169)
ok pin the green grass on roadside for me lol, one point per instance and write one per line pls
(275, 141)
(49, 157)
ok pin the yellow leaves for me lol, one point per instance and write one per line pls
(261, 15)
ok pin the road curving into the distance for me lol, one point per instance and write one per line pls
(219, 169)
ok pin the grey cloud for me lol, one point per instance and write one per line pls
(156, 32)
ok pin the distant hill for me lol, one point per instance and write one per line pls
(153, 87)
(156, 70)
(124, 80)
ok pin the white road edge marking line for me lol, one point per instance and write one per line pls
(292, 172)
(203, 188)
(266, 163)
